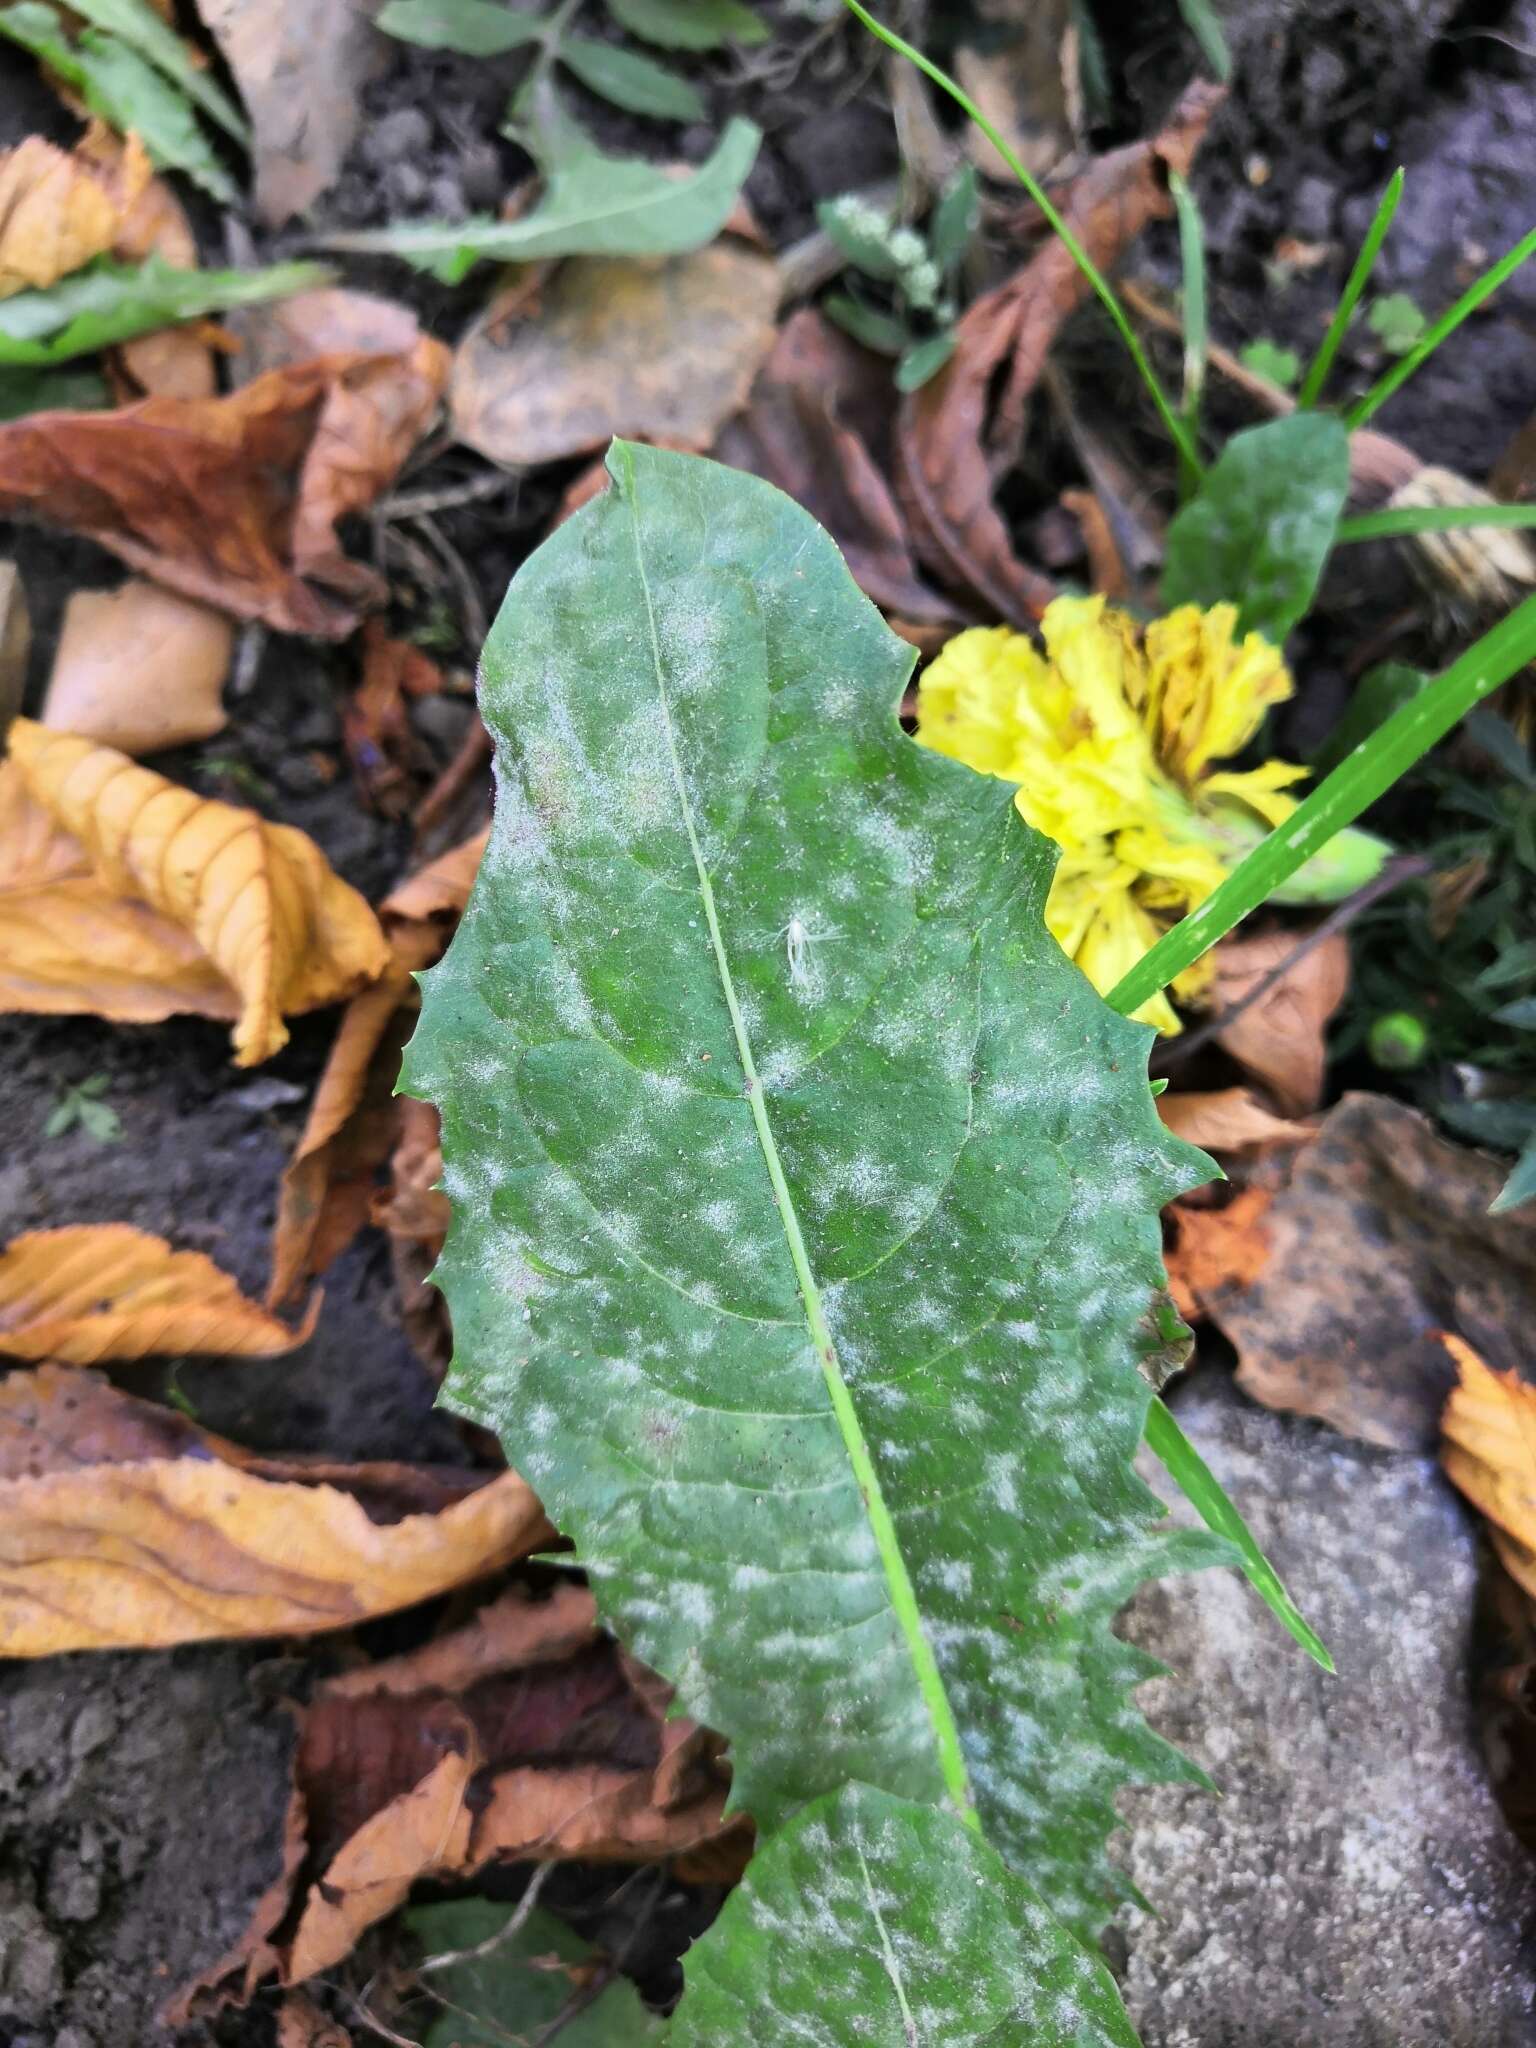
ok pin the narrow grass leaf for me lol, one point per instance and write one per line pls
(1337, 801)
(1438, 330)
(1354, 285)
(1208, 1497)
(109, 302)
(1396, 521)
(136, 23)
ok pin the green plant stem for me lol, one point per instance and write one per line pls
(1085, 263)
(1432, 336)
(1354, 285)
(1196, 330)
(1394, 521)
(1336, 802)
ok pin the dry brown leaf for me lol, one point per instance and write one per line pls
(1489, 1454)
(59, 211)
(301, 66)
(952, 440)
(103, 1547)
(524, 1735)
(233, 501)
(301, 2024)
(261, 903)
(388, 758)
(816, 425)
(1018, 76)
(1228, 1120)
(658, 351)
(1212, 1249)
(1280, 1037)
(331, 321)
(97, 1293)
(1379, 1240)
(139, 668)
(329, 1186)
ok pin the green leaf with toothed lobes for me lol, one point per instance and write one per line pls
(805, 1199)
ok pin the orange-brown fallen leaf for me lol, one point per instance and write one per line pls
(1228, 1120)
(123, 1526)
(99, 1293)
(301, 2024)
(234, 501)
(331, 320)
(329, 1186)
(58, 211)
(1213, 1250)
(953, 439)
(234, 900)
(659, 351)
(1280, 1037)
(522, 1735)
(1489, 1454)
(413, 1213)
(139, 668)
(389, 760)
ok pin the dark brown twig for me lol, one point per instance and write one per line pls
(1396, 872)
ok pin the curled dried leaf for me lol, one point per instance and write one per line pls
(1489, 1454)
(99, 1293)
(59, 210)
(258, 901)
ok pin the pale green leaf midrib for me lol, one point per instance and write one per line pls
(903, 1594)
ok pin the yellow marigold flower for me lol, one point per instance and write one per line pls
(1110, 735)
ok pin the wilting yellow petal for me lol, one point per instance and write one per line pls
(1207, 696)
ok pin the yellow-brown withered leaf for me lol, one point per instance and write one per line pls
(99, 1293)
(260, 900)
(59, 211)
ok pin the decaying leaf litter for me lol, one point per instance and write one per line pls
(317, 486)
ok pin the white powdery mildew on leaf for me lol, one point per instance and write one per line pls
(967, 1141)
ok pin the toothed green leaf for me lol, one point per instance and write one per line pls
(805, 1195)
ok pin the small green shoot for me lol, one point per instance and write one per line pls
(1396, 323)
(1268, 360)
(1094, 277)
(1354, 285)
(1201, 20)
(914, 319)
(1196, 333)
(83, 1105)
(1473, 297)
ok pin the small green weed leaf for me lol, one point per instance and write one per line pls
(1396, 323)
(1208, 1497)
(1521, 1013)
(136, 23)
(911, 1924)
(505, 1996)
(593, 205)
(124, 88)
(955, 219)
(1521, 1185)
(1267, 359)
(689, 24)
(878, 330)
(475, 28)
(924, 359)
(863, 234)
(805, 1196)
(1258, 531)
(108, 302)
(638, 84)
(1503, 745)
(1203, 23)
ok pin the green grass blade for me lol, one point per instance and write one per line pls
(1207, 1496)
(1434, 334)
(1200, 19)
(1196, 327)
(1336, 802)
(1354, 285)
(1098, 282)
(1395, 521)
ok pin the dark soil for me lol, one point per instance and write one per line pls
(141, 1795)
